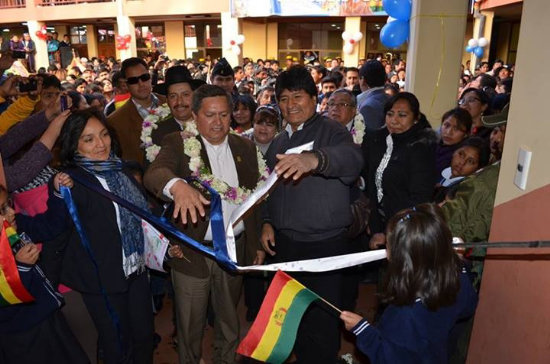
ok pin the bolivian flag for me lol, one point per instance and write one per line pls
(272, 335)
(12, 290)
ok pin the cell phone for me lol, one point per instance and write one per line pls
(63, 102)
(30, 85)
(18, 54)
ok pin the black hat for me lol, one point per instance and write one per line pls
(222, 68)
(180, 74)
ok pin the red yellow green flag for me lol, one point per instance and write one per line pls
(12, 290)
(121, 99)
(271, 337)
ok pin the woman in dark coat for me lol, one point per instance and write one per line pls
(115, 239)
(400, 163)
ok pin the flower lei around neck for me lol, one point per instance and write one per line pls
(192, 148)
(147, 126)
(358, 130)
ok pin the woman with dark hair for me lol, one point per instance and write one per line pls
(244, 109)
(471, 155)
(112, 278)
(426, 289)
(476, 102)
(455, 127)
(266, 125)
(400, 163)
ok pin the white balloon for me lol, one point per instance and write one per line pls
(346, 35)
(289, 42)
(357, 36)
(240, 39)
(472, 43)
(348, 48)
(236, 49)
(390, 19)
(482, 42)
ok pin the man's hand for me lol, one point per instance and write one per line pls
(350, 319)
(187, 199)
(28, 254)
(295, 165)
(377, 241)
(260, 257)
(268, 238)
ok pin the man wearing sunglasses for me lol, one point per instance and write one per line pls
(127, 120)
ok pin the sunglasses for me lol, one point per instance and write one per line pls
(134, 80)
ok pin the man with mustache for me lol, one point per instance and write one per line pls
(179, 93)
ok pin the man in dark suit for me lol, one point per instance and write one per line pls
(179, 87)
(127, 120)
(30, 50)
(233, 160)
(370, 103)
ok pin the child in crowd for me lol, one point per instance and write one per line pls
(426, 289)
(35, 332)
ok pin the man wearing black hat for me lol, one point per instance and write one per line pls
(224, 76)
(370, 103)
(179, 87)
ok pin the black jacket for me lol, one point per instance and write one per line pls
(409, 177)
(316, 207)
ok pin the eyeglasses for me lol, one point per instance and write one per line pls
(134, 80)
(468, 101)
(339, 104)
(6, 207)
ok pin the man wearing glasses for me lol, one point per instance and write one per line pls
(127, 120)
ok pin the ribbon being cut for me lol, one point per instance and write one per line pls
(224, 251)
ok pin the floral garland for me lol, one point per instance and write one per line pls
(149, 123)
(358, 130)
(192, 148)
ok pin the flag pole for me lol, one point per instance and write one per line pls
(330, 304)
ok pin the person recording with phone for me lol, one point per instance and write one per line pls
(18, 96)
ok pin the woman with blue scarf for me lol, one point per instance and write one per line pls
(107, 265)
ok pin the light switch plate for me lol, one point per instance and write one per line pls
(522, 168)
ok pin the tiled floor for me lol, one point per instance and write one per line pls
(166, 353)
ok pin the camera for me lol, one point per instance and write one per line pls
(30, 85)
(63, 102)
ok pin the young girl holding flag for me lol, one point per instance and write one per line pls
(426, 290)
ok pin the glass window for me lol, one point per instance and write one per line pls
(105, 35)
(78, 35)
(323, 39)
(203, 38)
(150, 39)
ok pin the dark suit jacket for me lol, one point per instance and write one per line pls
(171, 162)
(164, 128)
(98, 218)
(126, 123)
(372, 109)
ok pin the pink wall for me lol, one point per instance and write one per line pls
(489, 4)
(512, 323)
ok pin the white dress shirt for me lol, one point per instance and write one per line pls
(223, 168)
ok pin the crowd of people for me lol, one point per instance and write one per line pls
(376, 175)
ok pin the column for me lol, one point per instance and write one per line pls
(91, 41)
(483, 26)
(125, 25)
(230, 30)
(175, 39)
(41, 56)
(272, 40)
(434, 54)
(352, 25)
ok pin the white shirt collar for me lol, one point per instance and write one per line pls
(289, 130)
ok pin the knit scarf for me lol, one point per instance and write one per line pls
(382, 167)
(131, 232)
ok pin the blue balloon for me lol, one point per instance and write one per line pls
(395, 33)
(398, 9)
(478, 51)
(469, 49)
